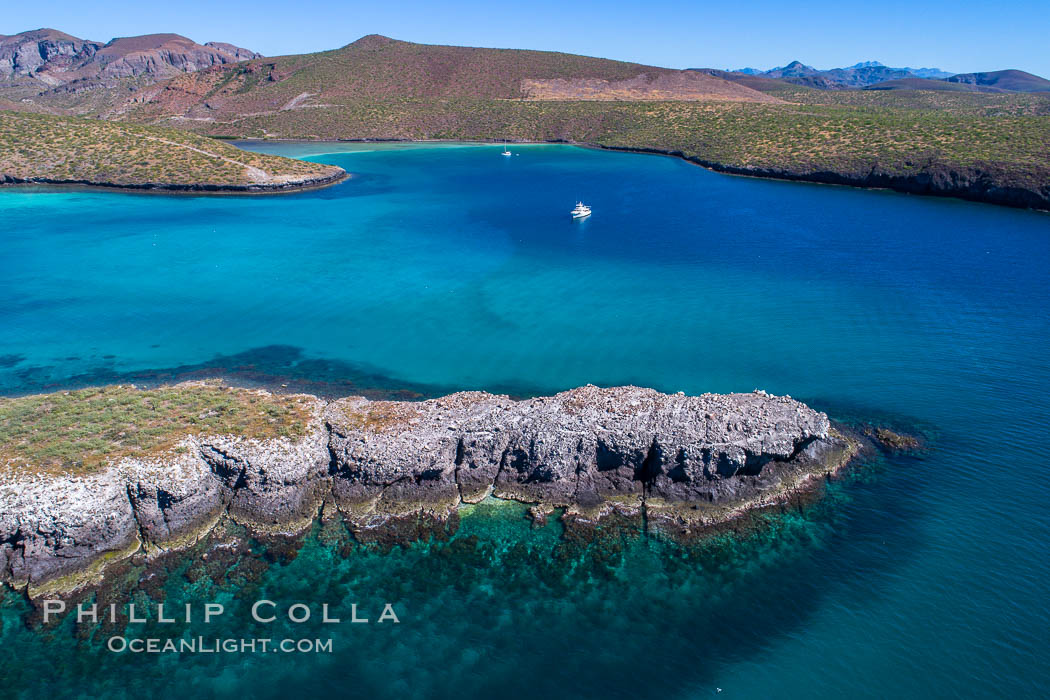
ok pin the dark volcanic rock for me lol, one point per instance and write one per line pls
(585, 449)
(272, 483)
(172, 498)
(892, 440)
(50, 530)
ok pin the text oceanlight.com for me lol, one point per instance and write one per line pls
(200, 645)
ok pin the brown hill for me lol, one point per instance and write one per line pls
(162, 55)
(1008, 80)
(379, 68)
(683, 86)
(755, 82)
(926, 84)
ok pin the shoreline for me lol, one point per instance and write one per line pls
(10, 182)
(948, 183)
(921, 185)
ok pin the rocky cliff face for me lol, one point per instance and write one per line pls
(161, 55)
(49, 58)
(235, 51)
(684, 462)
(27, 53)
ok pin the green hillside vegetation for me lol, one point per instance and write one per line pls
(796, 138)
(953, 98)
(79, 431)
(921, 84)
(960, 104)
(53, 148)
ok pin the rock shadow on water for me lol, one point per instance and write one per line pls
(8, 361)
(278, 368)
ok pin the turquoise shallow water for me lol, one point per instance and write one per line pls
(448, 267)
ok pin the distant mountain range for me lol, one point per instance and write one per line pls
(873, 75)
(858, 75)
(47, 58)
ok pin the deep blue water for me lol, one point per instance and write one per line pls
(439, 268)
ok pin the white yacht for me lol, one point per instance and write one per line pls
(506, 151)
(581, 211)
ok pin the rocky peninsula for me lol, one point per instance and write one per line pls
(45, 149)
(165, 466)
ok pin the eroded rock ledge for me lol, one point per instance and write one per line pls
(683, 463)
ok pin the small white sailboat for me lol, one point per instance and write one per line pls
(581, 211)
(506, 151)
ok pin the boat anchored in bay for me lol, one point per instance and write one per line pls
(581, 211)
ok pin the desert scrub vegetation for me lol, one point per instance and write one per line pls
(975, 104)
(79, 431)
(46, 147)
(378, 416)
(378, 88)
(790, 137)
(1007, 149)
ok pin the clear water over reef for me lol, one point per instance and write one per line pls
(445, 267)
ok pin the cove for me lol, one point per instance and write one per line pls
(447, 267)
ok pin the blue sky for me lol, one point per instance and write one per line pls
(959, 36)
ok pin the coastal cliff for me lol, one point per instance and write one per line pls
(392, 470)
